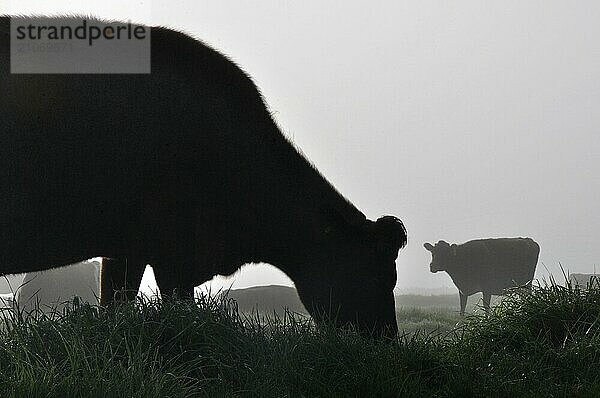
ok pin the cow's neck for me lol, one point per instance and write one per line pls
(292, 240)
(464, 277)
(287, 207)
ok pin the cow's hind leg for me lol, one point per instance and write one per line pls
(119, 280)
(463, 302)
(487, 296)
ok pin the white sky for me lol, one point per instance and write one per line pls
(466, 119)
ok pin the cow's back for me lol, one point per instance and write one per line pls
(511, 262)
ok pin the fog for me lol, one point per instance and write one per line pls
(465, 119)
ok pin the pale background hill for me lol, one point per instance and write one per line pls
(267, 299)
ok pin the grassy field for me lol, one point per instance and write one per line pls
(434, 314)
(437, 315)
(543, 344)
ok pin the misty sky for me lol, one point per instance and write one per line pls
(466, 119)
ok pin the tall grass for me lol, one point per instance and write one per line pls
(543, 343)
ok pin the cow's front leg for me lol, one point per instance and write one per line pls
(119, 280)
(463, 302)
(174, 281)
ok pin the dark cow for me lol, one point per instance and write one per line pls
(185, 169)
(486, 265)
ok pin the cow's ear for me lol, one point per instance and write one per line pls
(390, 234)
(428, 246)
(453, 247)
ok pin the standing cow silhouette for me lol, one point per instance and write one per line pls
(490, 266)
(184, 169)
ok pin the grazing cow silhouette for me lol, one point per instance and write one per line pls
(185, 169)
(486, 265)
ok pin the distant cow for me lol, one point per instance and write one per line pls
(585, 280)
(184, 169)
(486, 265)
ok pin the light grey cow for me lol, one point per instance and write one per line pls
(486, 265)
(51, 290)
(585, 281)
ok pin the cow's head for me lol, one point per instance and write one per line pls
(441, 255)
(354, 275)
